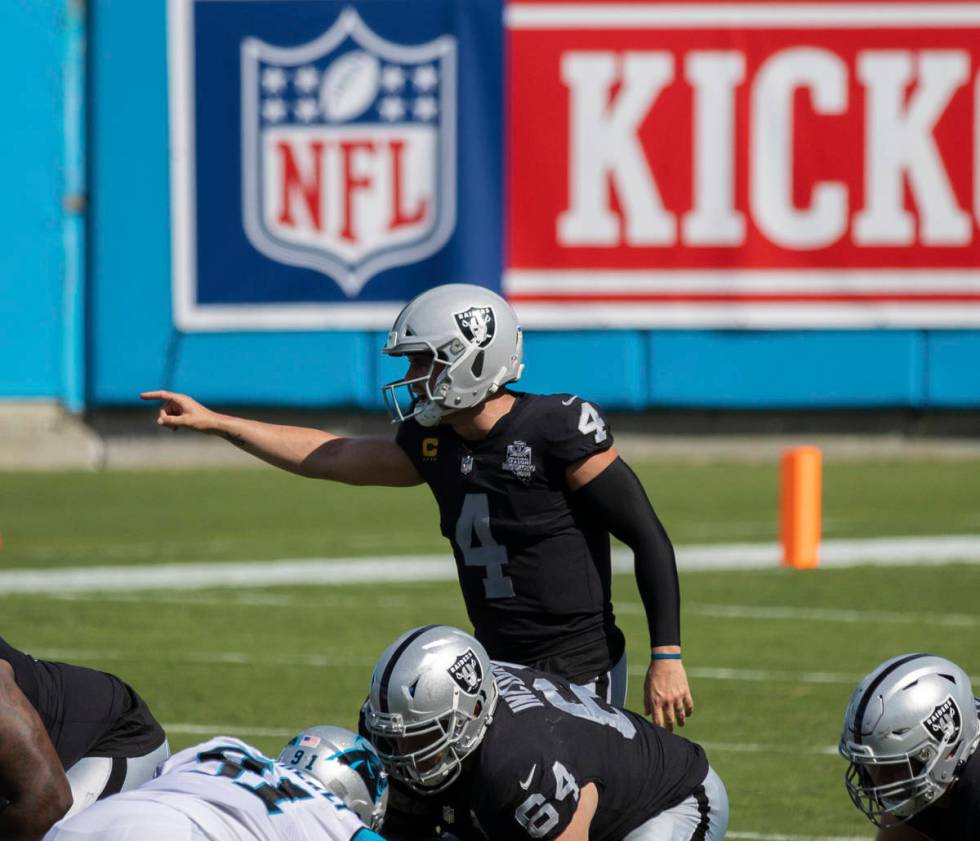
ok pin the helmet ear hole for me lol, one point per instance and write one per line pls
(477, 367)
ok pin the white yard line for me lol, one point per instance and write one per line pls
(765, 836)
(762, 675)
(226, 658)
(768, 675)
(912, 551)
(757, 747)
(212, 730)
(322, 599)
(814, 614)
(240, 658)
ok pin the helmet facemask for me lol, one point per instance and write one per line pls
(896, 787)
(426, 755)
(420, 396)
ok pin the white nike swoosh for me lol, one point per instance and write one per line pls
(526, 784)
(569, 401)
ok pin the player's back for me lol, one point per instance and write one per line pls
(231, 792)
(549, 738)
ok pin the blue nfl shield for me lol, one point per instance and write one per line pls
(349, 151)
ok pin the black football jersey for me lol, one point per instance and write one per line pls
(547, 740)
(955, 816)
(85, 712)
(533, 564)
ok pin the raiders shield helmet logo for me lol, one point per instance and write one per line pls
(477, 324)
(466, 672)
(944, 721)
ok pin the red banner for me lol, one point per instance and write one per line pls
(744, 164)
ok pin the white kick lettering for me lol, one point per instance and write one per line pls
(605, 148)
(825, 220)
(899, 144)
(906, 92)
(714, 219)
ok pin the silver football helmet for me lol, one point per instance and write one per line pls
(475, 344)
(909, 726)
(346, 765)
(432, 698)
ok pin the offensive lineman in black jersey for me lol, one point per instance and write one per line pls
(68, 736)
(911, 735)
(529, 489)
(496, 751)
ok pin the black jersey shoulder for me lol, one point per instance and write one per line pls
(84, 711)
(570, 426)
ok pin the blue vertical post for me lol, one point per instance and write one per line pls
(74, 205)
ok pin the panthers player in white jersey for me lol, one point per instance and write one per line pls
(327, 785)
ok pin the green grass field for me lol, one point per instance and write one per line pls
(773, 655)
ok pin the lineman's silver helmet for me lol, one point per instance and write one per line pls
(345, 764)
(432, 698)
(474, 338)
(910, 724)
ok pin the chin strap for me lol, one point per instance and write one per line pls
(430, 414)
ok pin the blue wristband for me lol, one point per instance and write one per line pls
(661, 655)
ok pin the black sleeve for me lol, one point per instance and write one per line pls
(617, 500)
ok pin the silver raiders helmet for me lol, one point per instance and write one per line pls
(432, 698)
(909, 726)
(475, 345)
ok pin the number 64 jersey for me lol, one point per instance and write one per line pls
(533, 565)
(221, 790)
(547, 740)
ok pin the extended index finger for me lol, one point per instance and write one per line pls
(156, 395)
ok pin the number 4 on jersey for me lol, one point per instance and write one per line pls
(475, 517)
(589, 422)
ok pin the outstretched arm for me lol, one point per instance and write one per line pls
(306, 452)
(615, 495)
(31, 776)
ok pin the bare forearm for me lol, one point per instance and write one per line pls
(294, 448)
(298, 449)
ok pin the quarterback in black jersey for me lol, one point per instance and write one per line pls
(529, 489)
(911, 735)
(493, 750)
(68, 736)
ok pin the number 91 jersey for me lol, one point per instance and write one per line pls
(533, 564)
(232, 791)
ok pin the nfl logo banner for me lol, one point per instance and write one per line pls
(326, 167)
(744, 164)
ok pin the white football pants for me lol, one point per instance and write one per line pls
(95, 777)
(611, 686)
(702, 817)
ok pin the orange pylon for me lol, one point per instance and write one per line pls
(800, 503)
